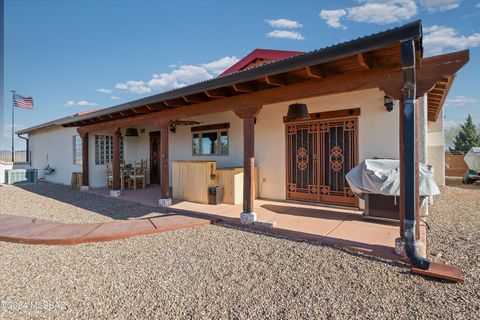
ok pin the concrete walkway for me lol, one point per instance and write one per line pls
(37, 231)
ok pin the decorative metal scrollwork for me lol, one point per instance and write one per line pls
(302, 159)
(336, 159)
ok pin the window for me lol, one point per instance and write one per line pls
(211, 140)
(77, 150)
(104, 149)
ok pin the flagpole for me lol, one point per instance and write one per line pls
(13, 127)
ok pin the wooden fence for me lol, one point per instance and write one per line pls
(455, 166)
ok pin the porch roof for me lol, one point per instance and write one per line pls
(377, 51)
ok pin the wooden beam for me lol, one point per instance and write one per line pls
(172, 103)
(195, 98)
(276, 80)
(363, 61)
(217, 93)
(316, 71)
(245, 87)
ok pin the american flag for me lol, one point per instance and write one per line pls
(22, 102)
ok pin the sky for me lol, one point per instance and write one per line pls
(74, 56)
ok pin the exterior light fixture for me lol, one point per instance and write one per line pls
(388, 103)
(131, 132)
(297, 111)
(173, 128)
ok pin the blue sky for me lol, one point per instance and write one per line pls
(73, 56)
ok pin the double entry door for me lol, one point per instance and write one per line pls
(319, 155)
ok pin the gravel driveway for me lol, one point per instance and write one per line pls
(224, 272)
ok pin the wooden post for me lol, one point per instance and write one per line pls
(85, 182)
(116, 183)
(164, 165)
(248, 115)
(248, 164)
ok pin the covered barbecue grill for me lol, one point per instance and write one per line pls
(377, 181)
(472, 159)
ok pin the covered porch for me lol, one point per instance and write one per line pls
(390, 62)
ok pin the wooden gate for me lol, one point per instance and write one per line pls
(319, 155)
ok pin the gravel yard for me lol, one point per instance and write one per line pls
(224, 272)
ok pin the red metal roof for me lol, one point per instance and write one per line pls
(271, 55)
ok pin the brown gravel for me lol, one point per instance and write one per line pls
(223, 272)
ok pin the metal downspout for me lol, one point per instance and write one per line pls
(410, 164)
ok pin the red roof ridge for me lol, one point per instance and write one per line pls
(260, 54)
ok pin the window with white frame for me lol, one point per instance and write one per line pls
(77, 150)
(210, 140)
(104, 149)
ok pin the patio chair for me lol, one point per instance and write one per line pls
(139, 173)
(124, 175)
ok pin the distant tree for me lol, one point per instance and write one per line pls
(450, 135)
(467, 137)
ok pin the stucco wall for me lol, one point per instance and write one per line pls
(378, 134)
(436, 148)
(54, 146)
(378, 137)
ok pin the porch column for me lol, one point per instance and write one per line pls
(248, 216)
(116, 181)
(165, 200)
(85, 183)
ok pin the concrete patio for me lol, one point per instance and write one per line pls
(337, 226)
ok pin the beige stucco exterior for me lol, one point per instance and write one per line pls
(378, 136)
(436, 148)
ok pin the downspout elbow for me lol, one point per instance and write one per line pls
(411, 248)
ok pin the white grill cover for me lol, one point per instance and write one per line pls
(472, 158)
(381, 176)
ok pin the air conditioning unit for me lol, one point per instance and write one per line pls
(15, 176)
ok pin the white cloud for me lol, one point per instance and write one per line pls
(477, 5)
(372, 11)
(114, 97)
(437, 39)
(451, 124)
(282, 34)
(332, 17)
(80, 103)
(220, 65)
(440, 5)
(179, 76)
(102, 90)
(460, 101)
(284, 23)
(133, 86)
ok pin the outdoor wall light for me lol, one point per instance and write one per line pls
(388, 103)
(297, 111)
(173, 128)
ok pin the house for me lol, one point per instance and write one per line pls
(375, 96)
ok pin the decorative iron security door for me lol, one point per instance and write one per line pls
(319, 155)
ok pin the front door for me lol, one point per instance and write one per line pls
(319, 155)
(155, 157)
